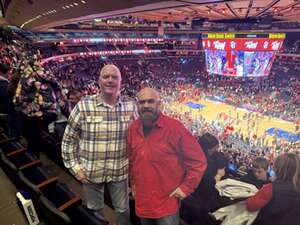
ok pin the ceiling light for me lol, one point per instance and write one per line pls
(71, 5)
(223, 11)
(63, 7)
(75, 3)
(83, 2)
(67, 6)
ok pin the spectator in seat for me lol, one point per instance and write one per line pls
(196, 207)
(276, 199)
(258, 174)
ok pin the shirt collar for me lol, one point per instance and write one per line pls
(101, 102)
(160, 121)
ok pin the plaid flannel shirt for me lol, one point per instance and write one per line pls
(95, 139)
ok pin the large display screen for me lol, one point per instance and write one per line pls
(242, 56)
(239, 63)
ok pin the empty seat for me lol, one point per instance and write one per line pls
(12, 147)
(11, 164)
(23, 160)
(60, 196)
(51, 214)
(4, 138)
(35, 177)
(82, 215)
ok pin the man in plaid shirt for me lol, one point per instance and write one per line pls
(94, 144)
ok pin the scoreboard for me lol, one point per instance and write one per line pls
(241, 54)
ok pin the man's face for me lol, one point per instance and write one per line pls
(110, 81)
(148, 107)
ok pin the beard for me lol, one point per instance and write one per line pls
(148, 117)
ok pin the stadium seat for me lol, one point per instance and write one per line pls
(51, 214)
(51, 147)
(82, 215)
(4, 138)
(13, 163)
(34, 178)
(60, 196)
(23, 160)
(12, 147)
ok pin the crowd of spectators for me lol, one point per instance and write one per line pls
(50, 91)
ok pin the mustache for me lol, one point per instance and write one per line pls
(147, 110)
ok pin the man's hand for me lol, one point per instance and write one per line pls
(133, 191)
(81, 176)
(178, 193)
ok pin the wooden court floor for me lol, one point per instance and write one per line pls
(244, 122)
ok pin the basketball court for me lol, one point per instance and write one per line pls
(243, 121)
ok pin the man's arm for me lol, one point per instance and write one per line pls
(131, 159)
(70, 142)
(260, 199)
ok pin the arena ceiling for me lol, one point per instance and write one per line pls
(38, 15)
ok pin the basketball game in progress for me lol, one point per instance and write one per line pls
(161, 112)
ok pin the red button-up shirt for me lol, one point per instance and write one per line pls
(167, 158)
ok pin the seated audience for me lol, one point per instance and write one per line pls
(198, 204)
(258, 173)
(279, 197)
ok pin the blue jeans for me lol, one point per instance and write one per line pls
(119, 195)
(167, 220)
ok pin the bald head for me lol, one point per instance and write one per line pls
(110, 81)
(110, 68)
(149, 93)
(148, 106)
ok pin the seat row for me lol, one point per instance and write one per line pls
(55, 202)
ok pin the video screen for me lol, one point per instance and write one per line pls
(241, 54)
(239, 63)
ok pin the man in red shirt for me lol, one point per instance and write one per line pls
(166, 162)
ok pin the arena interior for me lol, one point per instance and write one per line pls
(230, 68)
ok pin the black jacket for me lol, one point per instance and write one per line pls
(284, 199)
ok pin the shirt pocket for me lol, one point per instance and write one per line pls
(161, 153)
(93, 125)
